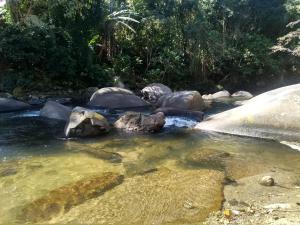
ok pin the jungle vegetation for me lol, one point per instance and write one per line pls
(186, 44)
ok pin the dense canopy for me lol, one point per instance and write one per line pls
(186, 44)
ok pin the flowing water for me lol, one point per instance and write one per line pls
(166, 178)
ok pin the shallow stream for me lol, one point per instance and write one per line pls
(167, 179)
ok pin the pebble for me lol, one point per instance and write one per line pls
(267, 181)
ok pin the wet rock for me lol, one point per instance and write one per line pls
(61, 200)
(154, 91)
(114, 98)
(196, 115)
(133, 121)
(109, 156)
(242, 94)
(84, 123)
(185, 100)
(54, 110)
(10, 105)
(8, 172)
(266, 116)
(208, 157)
(162, 197)
(267, 181)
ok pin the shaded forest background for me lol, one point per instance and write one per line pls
(189, 44)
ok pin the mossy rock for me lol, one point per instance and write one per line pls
(61, 200)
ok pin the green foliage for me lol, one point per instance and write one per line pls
(184, 44)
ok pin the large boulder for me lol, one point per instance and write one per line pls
(84, 122)
(134, 121)
(10, 105)
(54, 110)
(196, 115)
(154, 91)
(242, 94)
(115, 98)
(186, 100)
(274, 114)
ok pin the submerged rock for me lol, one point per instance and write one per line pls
(207, 157)
(274, 114)
(133, 121)
(55, 110)
(114, 98)
(185, 100)
(156, 198)
(8, 172)
(61, 200)
(267, 181)
(154, 91)
(84, 122)
(10, 105)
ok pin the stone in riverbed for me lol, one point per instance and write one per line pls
(207, 157)
(84, 122)
(61, 200)
(10, 105)
(55, 110)
(267, 181)
(133, 121)
(154, 91)
(115, 98)
(274, 115)
(185, 100)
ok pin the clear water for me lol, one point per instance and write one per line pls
(35, 159)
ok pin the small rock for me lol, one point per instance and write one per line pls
(267, 181)
(138, 122)
(84, 122)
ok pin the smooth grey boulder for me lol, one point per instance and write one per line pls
(242, 94)
(10, 105)
(55, 110)
(185, 100)
(196, 115)
(274, 114)
(134, 121)
(154, 91)
(84, 123)
(116, 98)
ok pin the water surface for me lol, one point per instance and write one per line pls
(35, 158)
